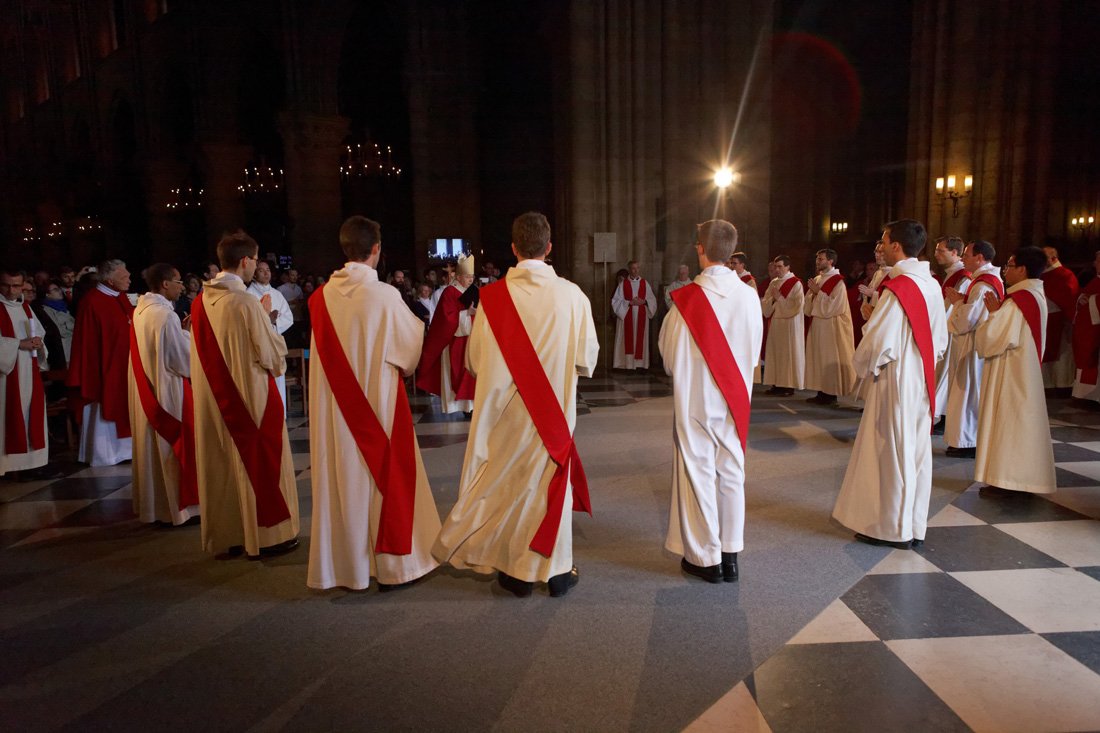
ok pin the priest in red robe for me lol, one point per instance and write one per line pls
(442, 368)
(24, 443)
(1086, 340)
(99, 366)
(1061, 289)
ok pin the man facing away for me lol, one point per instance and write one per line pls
(634, 303)
(1061, 288)
(948, 254)
(246, 476)
(968, 312)
(373, 511)
(531, 339)
(886, 488)
(1015, 456)
(829, 340)
(710, 344)
(99, 365)
(277, 307)
(161, 409)
(785, 352)
(24, 441)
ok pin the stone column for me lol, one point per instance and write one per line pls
(223, 171)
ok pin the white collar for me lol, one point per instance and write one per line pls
(106, 289)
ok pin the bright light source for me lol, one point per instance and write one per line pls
(724, 177)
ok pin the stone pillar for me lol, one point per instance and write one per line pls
(312, 145)
(223, 171)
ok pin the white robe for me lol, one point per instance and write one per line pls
(830, 340)
(507, 470)
(670, 288)
(16, 363)
(283, 321)
(961, 426)
(707, 513)
(943, 367)
(888, 481)
(785, 353)
(346, 500)
(251, 350)
(1014, 449)
(165, 350)
(621, 306)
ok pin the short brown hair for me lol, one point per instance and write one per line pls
(234, 247)
(719, 239)
(531, 234)
(358, 235)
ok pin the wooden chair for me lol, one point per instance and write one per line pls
(60, 406)
(297, 373)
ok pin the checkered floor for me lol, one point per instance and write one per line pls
(994, 625)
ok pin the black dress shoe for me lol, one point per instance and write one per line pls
(387, 587)
(866, 539)
(711, 574)
(729, 567)
(559, 585)
(774, 391)
(515, 586)
(961, 452)
(996, 492)
(937, 429)
(232, 552)
(786, 392)
(916, 543)
(275, 550)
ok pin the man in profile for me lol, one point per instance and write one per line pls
(246, 477)
(532, 338)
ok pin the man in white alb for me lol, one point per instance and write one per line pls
(948, 254)
(277, 307)
(634, 304)
(829, 340)
(785, 352)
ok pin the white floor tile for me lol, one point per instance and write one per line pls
(52, 533)
(835, 624)
(37, 514)
(903, 561)
(952, 516)
(1044, 600)
(1090, 469)
(735, 712)
(1006, 683)
(1092, 445)
(1084, 499)
(1076, 543)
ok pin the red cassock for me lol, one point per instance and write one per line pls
(1060, 286)
(1086, 337)
(441, 334)
(101, 355)
(855, 302)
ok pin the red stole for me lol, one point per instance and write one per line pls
(390, 459)
(1086, 337)
(827, 287)
(916, 310)
(1029, 306)
(747, 279)
(703, 324)
(15, 429)
(441, 334)
(99, 365)
(542, 404)
(787, 286)
(260, 447)
(633, 333)
(180, 434)
(953, 280)
(989, 279)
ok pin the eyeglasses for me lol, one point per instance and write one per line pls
(177, 282)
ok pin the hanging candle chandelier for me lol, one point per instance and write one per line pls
(368, 160)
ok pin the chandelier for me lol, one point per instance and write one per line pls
(261, 179)
(368, 160)
(184, 199)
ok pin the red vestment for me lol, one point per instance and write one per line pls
(101, 356)
(1061, 288)
(441, 334)
(1086, 337)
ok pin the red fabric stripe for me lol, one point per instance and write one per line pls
(633, 330)
(15, 430)
(1029, 306)
(990, 280)
(829, 285)
(953, 280)
(260, 447)
(542, 405)
(390, 459)
(704, 327)
(916, 310)
(1086, 337)
(787, 286)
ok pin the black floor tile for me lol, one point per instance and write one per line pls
(1092, 572)
(78, 488)
(1074, 434)
(107, 511)
(438, 441)
(9, 537)
(431, 417)
(1064, 452)
(299, 446)
(857, 686)
(980, 547)
(1084, 646)
(1023, 508)
(925, 606)
(610, 403)
(1067, 479)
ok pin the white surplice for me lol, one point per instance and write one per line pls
(943, 367)
(252, 350)
(15, 363)
(283, 321)
(961, 424)
(165, 350)
(830, 340)
(620, 359)
(382, 339)
(1014, 449)
(507, 470)
(888, 481)
(785, 353)
(707, 514)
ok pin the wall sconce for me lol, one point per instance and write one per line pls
(946, 188)
(839, 227)
(1082, 223)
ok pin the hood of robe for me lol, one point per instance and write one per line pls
(224, 284)
(1034, 284)
(152, 300)
(530, 277)
(719, 280)
(353, 275)
(912, 267)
